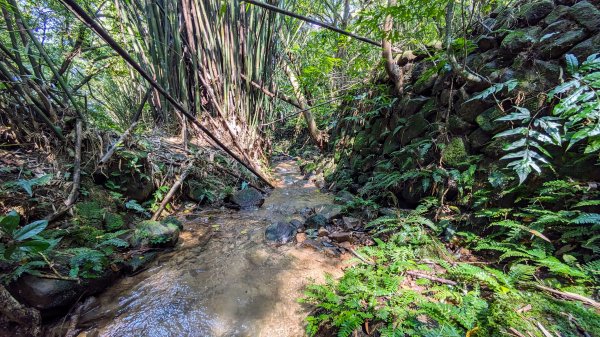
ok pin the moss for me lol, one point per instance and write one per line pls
(113, 221)
(455, 152)
(155, 234)
(85, 235)
(487, 120)
(89, 213)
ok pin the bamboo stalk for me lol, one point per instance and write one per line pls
(314, 22)
(86, 19)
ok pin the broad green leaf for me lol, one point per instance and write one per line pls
(30, 230)
(572, 63)
(34, 246)
(10, 222)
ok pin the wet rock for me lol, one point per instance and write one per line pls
(424, 84)
(323, 232)
(457, 125)
(248, 198)
(54, 297)
(138, 261)
(495, 148)
(470, 109)
(138, 188)
(417, 125)
(341, 236)
(532, 13)
(155, 234)
(413, 105)
(315, 221)
(280, 232)
(559, 38)
(173, 220)
(586, 48)
(586, 15)
(329, 211)
(560, 12)
(479, 139)
(519, 40)
(297, 223)
(350, 222)
(391, 144)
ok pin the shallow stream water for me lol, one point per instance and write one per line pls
(222, 279)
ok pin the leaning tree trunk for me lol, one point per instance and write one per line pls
(315, 134)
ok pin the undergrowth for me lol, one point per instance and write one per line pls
(412, 286)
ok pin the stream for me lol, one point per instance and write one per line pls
(223, 278)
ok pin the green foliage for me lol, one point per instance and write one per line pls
(527, 152)
(580, 104)
(134, 205)
(21, 241)
(28, 184)
(484, 302)
(575, 118)
(85, 262)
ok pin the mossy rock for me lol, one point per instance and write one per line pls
(113, 221)
(520, 39)
(487, 120)
(416, 125)
(173, 220)
(455, 152)
(457, 125)
(562, 36)
(533, 12)
(155, 234)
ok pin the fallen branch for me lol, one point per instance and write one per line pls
(570, 296)
(431, 278)
(127, 132)
(174, 188)
(360, 257)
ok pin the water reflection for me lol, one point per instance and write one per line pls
(231, 285)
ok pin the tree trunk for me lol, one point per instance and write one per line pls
(315, 134)
(391, 67)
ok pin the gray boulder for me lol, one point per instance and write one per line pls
(558, 38)
(586, 15)
(248, 198)
(280, 232)
(586, 48)
(531, 13)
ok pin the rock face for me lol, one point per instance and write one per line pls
(280, 232)
(248, 198)
(443, 118)
(155, 234)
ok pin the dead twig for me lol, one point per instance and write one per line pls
(431, 278)
(570, 296)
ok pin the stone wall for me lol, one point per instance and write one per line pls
(526, 43)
